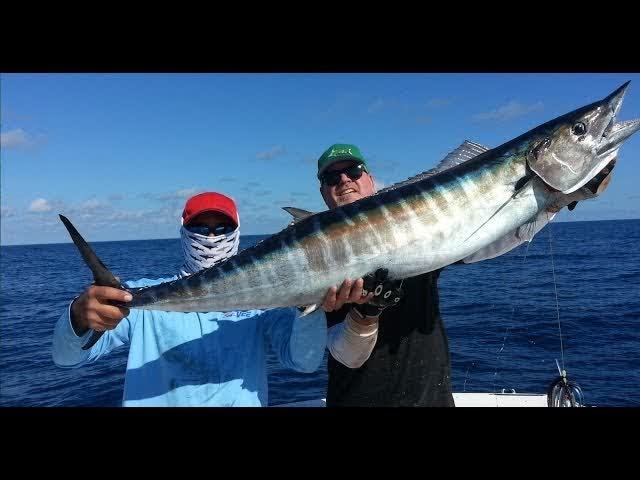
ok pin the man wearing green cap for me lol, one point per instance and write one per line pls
(399, 356)
(403, 349)
(344, 159)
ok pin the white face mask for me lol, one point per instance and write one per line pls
(202, 251)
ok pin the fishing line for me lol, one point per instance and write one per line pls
(513, 310)
(562, 392)
(464, 387)
(555, 288)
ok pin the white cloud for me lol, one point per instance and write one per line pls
(178, 194)
(380, 104)
(40, 205)
(15, 138)
(91, 204)
(186, 192)
(125, 216)
(343, 105)
(377, 105)
(509, 111)
(378, 184)
(439, 102)
(7, 212)
(271, 153)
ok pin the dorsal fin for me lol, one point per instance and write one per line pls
(298, 213)
(465, 152)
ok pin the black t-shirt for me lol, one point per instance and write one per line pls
(410, 363)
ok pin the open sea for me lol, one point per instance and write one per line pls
(573, 295)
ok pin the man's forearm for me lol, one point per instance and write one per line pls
(351, 341)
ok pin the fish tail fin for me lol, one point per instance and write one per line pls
(101, 274)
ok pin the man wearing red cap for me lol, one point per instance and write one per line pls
(192, 358)
(210, 231)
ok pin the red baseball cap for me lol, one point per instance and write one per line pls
(210, 202)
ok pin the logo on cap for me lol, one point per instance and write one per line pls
(340, 151)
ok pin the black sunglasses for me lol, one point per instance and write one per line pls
(332, 178)
(206, 230)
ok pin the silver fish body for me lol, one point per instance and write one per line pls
(416, 226)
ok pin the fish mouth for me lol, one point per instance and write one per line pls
(615, 134)
(609, 128)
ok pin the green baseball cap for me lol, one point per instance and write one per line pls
(339, 152)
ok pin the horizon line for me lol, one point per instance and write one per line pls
(262, 234)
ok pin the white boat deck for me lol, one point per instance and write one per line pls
(465, 400)
(500, 400)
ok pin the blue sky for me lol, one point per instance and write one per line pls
(120, 153)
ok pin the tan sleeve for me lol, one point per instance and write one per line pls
(351, 343)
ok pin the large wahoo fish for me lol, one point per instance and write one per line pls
(470, 201)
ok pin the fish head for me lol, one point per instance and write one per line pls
(573, 149)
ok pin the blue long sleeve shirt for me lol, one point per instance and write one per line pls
(199, 359)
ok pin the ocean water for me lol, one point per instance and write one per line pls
(572, 295)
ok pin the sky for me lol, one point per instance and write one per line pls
(119, 154)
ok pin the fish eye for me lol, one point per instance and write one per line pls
(579, 129)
